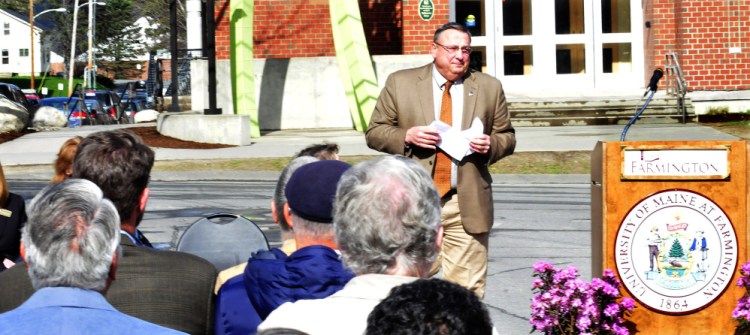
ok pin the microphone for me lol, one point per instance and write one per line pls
(658, 73)
(652, 85)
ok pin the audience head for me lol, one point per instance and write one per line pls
(387, 217)
(448, 26)
(281, 331)
(71, 236)
(64, 162)
(325, 151)
(279, 199)
(429, 306)
(310, 194)
(4, 192)
(120, 164)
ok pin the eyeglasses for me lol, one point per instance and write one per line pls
(453, 49)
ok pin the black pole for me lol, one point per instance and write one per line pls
(211, 49)
(175, 107)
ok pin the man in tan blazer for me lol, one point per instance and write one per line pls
(401, 124)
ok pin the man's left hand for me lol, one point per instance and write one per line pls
(480, 144)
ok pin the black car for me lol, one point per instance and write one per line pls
(14, 93)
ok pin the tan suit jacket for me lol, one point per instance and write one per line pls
(407, 101)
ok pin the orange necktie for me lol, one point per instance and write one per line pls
(442, 175)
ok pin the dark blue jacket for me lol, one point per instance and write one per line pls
(271, 279)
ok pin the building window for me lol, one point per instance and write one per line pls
(5, 56)
(23, 52)
(6, 28)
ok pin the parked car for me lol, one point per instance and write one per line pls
(14, 93)
(110, 101)
(132, 107)
(31, 95)
(77, 115)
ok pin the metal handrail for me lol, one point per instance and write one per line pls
(676, 83)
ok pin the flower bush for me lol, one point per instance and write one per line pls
(741, 313)
(565, 304)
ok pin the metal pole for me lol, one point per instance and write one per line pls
(91, 42)
(211, 48)
(93, 55)
(175, 107)
(73, 49)
(31, 24)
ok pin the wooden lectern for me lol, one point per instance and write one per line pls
(670, 218)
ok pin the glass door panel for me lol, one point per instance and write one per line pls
(569, 17)
(478, 16)
(570, 59)
(519, 60)
(472, 14)
(567, 44)
(517, 17)
(615, 16)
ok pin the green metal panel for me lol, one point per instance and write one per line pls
(355, 64)
(242, 62)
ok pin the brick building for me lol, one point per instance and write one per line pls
(532, 46)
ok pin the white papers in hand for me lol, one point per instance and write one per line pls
(454, 142)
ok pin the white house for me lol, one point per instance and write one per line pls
(15, 45)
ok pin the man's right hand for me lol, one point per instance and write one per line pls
(422, 136)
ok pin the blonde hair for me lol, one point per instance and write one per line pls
(4, 192)
(64, 159)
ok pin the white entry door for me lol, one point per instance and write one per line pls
(564, 45)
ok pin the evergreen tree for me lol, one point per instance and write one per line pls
(123, 41)
(19, 6)
(676, 251)
(157, 12)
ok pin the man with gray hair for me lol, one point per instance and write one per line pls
(387, 223)
(69, 245)
(168, 288)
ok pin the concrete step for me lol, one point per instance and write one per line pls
(581, 111)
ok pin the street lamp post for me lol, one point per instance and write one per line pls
(33, 17)
(73, 43)
(91, 78)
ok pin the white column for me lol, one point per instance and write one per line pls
(198, 67)
(194, 27)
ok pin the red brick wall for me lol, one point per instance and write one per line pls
(302, 28)
(289, 28)
(701, 32)
(383, 24)
(417, 32)
(221, 13)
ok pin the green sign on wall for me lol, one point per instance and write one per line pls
(426, 9)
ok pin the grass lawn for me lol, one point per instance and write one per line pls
(56, 86)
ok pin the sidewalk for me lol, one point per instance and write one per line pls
(40, 149)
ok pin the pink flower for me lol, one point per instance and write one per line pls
(542, 266)
(627, 304)
(563, 304)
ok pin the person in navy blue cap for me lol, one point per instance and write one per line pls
(314, 271)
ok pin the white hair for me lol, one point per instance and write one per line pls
(71, 236)
(386, 216)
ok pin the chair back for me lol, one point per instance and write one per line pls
(224, 239)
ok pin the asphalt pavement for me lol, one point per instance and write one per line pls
(28, 156)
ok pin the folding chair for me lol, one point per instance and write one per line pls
(223, 239)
